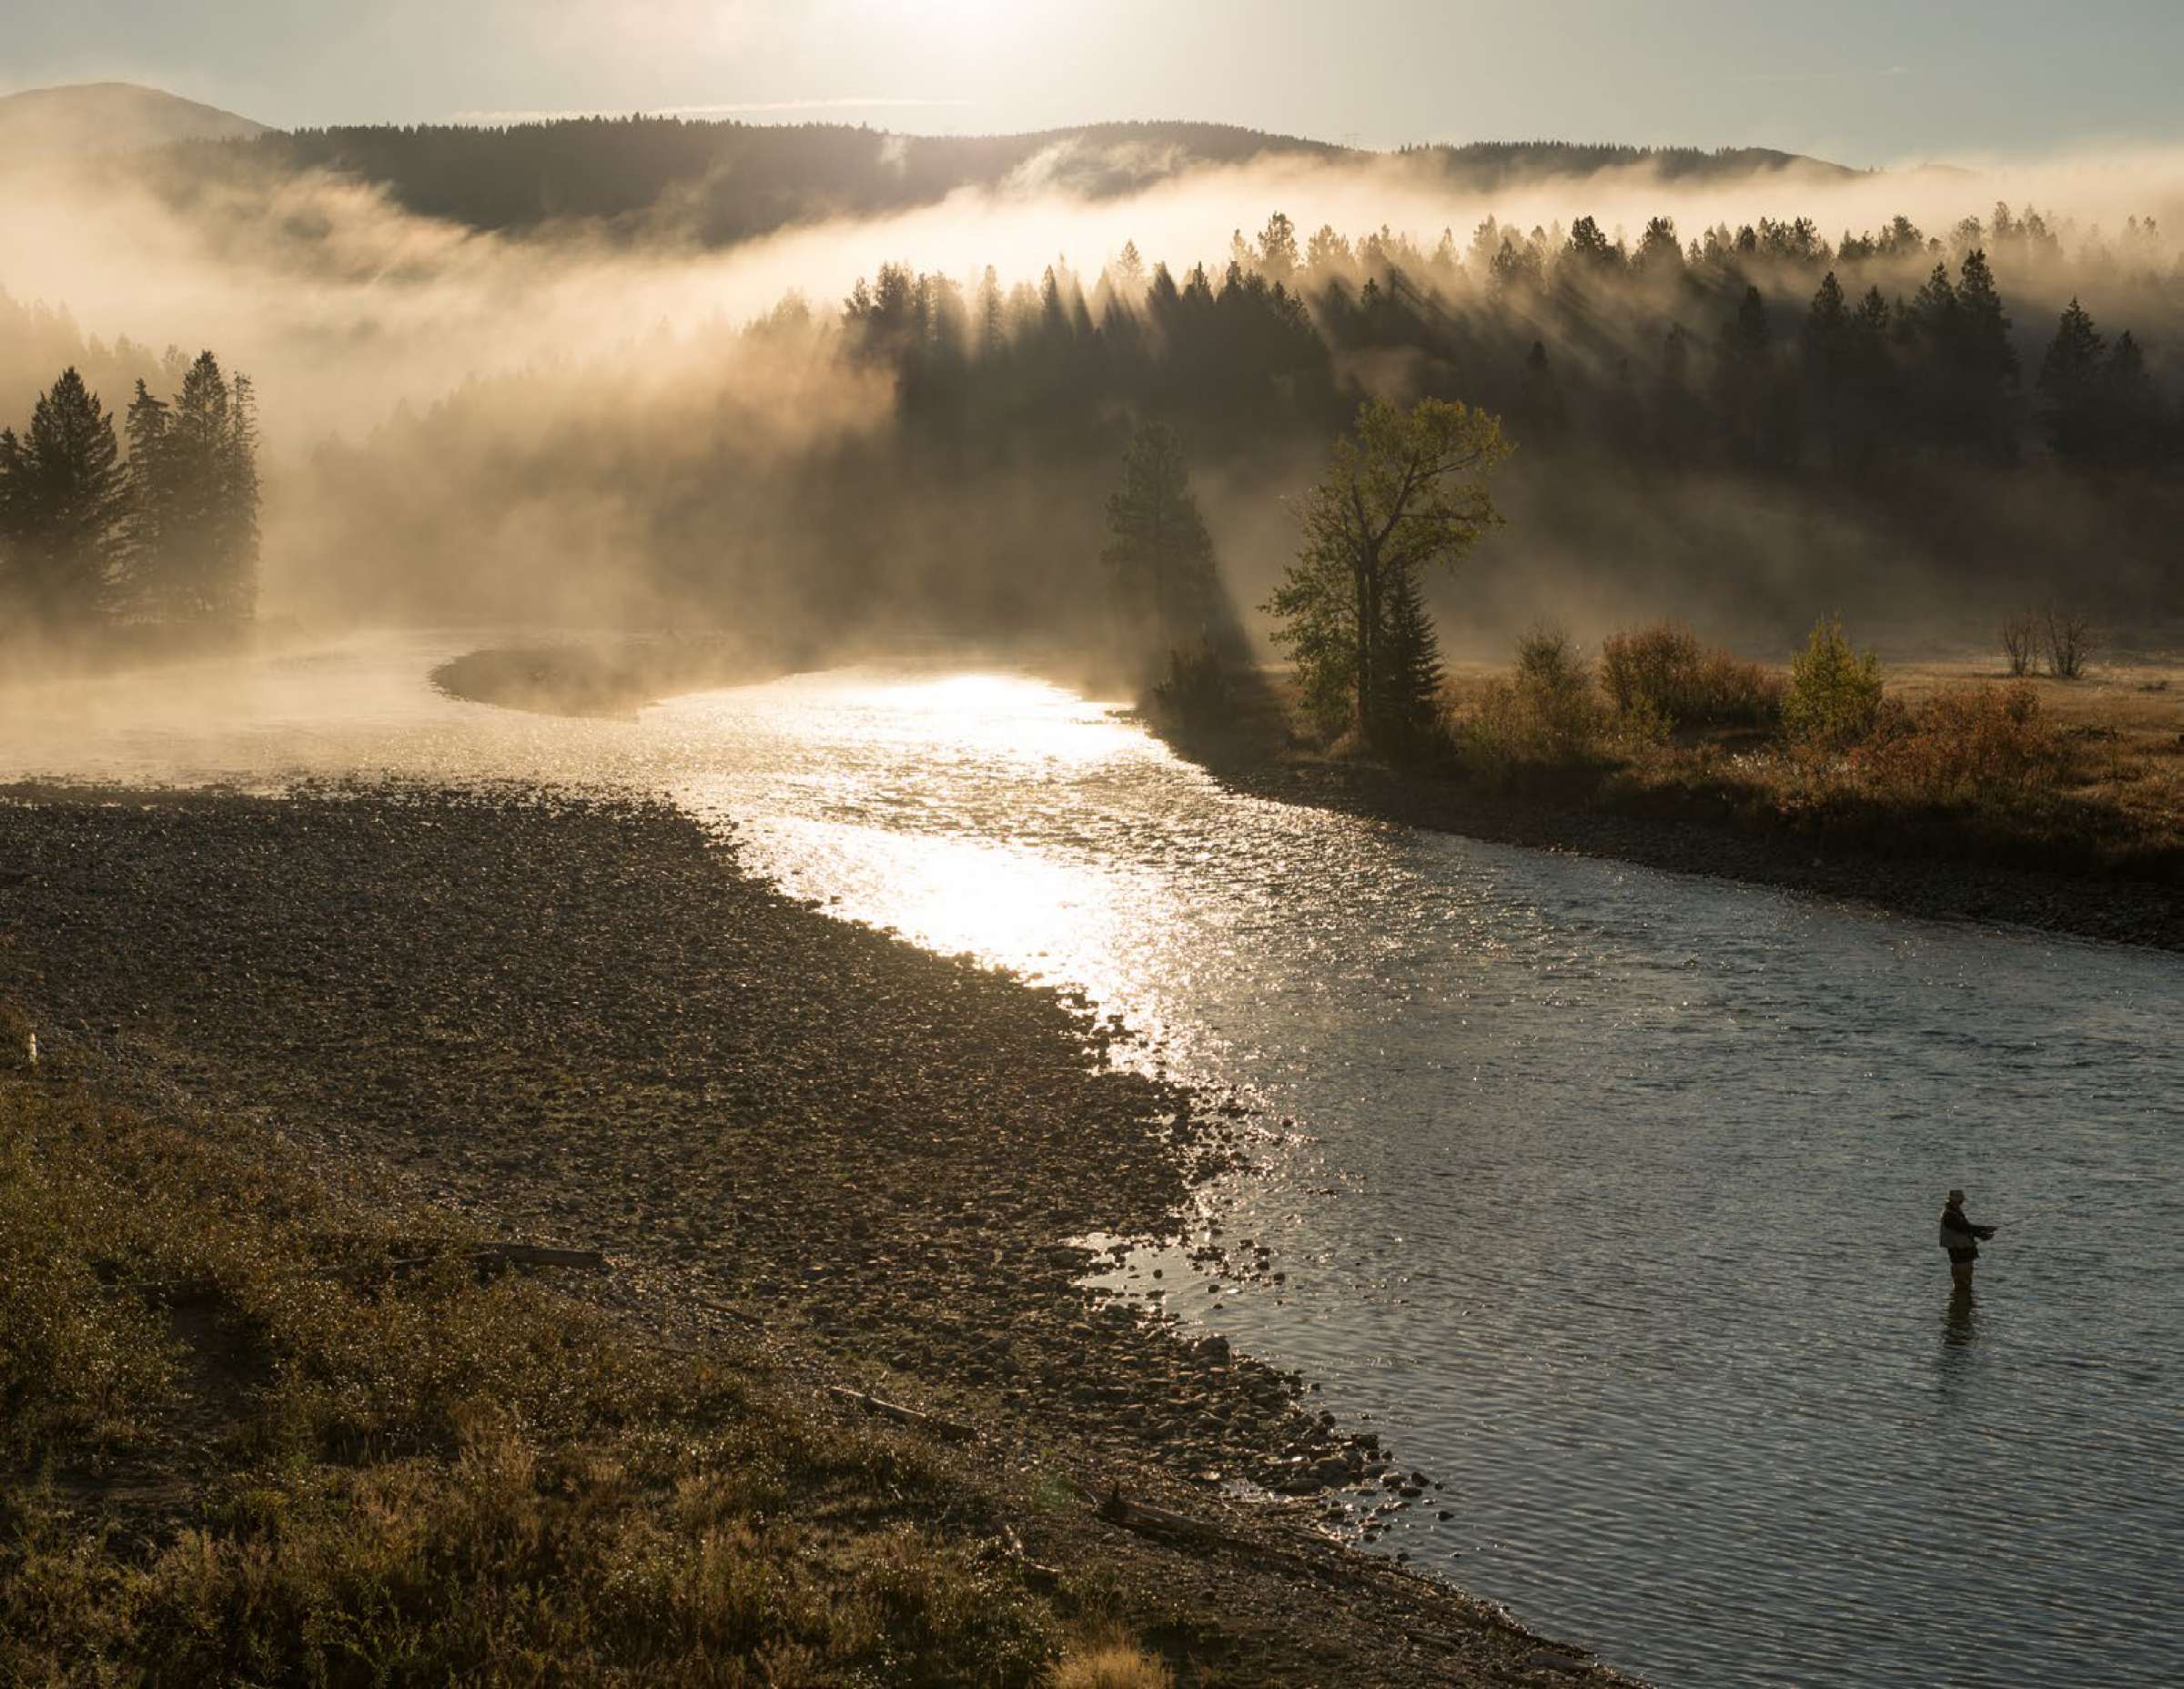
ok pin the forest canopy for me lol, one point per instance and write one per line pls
(1746, 424)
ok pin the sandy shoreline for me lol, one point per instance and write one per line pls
(579, 1021)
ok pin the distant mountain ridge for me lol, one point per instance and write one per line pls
(719, 182)
(111, 117)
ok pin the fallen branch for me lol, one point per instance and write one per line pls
(536, 1255)
(1036, 1574)
(947, 1430)
(1147, 1519)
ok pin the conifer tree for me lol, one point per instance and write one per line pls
(1871, 406)
(1982, 326)
(1659, 252)
(1589, 252)
(2070, 385)
(1410, 672)
(151, 494)
(1827, 342)
(62, 504)
(193, 468)
(1982, 365)
(1158, 551)
(2137, 419)
(1743, 376)
(1933, 311)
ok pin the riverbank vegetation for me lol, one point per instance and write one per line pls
(1833, 749)
(256, 1433)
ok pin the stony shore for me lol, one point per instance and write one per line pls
(577, 1022)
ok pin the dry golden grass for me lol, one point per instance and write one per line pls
(1112, 1667)
(2123, 723)
(240, 1443)
(2112, 797)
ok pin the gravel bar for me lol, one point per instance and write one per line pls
(578, 1020)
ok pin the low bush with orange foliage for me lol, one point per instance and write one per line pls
(1966, 745)
(1665, 671)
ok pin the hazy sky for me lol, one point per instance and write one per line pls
(1863, 81)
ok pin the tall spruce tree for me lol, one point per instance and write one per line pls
(2069, 385)
(63, 501)
(1409, 673)
(1983, 363)
(150, 495)
(1742, 377)
(2137, 420)
(1158, 552)
(1828, 338)
(193, 464)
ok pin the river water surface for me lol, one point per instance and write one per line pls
(1608, 1196)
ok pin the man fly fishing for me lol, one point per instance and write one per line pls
(1961, 1239)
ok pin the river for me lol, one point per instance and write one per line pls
(1607, 1196)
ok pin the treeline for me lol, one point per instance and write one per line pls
(1709, 427)
(1487, 164)
(168, 532)
(1758, 347)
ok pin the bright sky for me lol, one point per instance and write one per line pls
(1861, 81)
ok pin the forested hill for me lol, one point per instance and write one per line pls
(1486, 165)
(722, 182)
(727, 181)
(109, 118)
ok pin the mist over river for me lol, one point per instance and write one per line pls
(1607, 1196)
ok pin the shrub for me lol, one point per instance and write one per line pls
(1834, 693)
(2070, 640)
(1664, 671)
(1970, 745)
(1195, 694)
(2020, 639)
(1550, 715)
(1555, 689)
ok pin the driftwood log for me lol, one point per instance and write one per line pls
(947, 1430)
